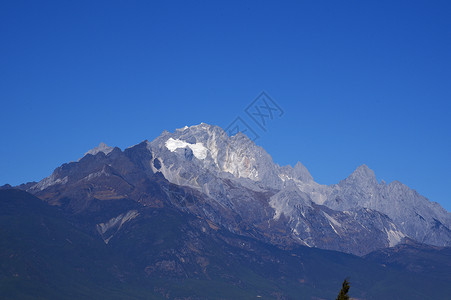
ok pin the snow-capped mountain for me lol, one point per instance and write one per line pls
(235, 184)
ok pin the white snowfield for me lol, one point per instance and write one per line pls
(199, 150)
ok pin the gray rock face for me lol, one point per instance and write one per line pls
(414, 215)
(208, 149)
(235, 184)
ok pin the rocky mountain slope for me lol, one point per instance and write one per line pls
(234, 184)
(161, 252)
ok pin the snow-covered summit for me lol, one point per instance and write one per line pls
(208, 148)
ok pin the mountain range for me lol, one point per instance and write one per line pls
(196, 208)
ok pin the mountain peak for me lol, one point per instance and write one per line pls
(209, 147)
(208, 131)
(301, 172)
(363, 167)
(102, 147)
(363, 173)
(201, 125)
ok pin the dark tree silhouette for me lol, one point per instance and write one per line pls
(343, 295)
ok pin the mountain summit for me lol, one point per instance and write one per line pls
(363, 174)
(234, 183)
(102, 147)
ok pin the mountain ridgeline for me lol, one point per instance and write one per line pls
(198, 214)
(235, 184)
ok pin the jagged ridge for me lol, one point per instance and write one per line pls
(238, 186)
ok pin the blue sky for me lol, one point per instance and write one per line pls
(359, 81)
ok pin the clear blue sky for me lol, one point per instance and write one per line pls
(359, 81)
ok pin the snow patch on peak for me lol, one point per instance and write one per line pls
(202, 125)
(199, 150)
(101, 148)
(182, 129)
